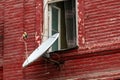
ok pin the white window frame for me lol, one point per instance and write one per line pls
(46, 18)
(50, 25)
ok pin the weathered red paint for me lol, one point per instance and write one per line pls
(1, 38)
(97, 55)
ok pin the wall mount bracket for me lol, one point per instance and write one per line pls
(55, 62)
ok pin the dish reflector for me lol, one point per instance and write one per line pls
(40, 50)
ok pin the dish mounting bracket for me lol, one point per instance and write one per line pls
(55, 62)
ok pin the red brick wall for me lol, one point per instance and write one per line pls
(103, 67)
(1, 73)
(13, 48)
(1, 29)
(33, 24)
(19, 17)
(102, 23)
(1, 37)
(97, 65)
(82, 63)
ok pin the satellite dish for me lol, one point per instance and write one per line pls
(40, 50)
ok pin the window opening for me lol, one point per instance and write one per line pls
(62, 19)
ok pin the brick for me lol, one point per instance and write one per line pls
(98, 30)
(1, 38)
(101, 21)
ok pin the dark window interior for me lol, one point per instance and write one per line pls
(67, 23)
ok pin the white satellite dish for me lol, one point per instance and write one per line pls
(40, 50)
